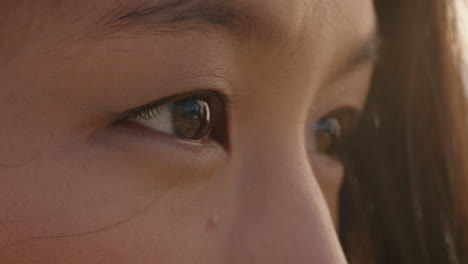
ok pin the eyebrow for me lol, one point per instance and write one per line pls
(159, 17)
(171, 16)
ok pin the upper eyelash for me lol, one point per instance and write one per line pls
(152, 109)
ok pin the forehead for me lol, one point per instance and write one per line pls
(292, 16)
(285, 23)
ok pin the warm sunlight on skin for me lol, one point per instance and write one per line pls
(197, 131)
(462, 8)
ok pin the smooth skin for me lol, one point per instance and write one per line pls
(77, 188)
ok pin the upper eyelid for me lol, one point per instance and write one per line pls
(199, 94)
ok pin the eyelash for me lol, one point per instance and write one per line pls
(157, 107)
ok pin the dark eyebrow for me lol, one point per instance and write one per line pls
(172, 16)
(169, 16)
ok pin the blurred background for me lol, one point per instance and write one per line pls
(462, 7)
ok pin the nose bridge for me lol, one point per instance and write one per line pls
(281, 215)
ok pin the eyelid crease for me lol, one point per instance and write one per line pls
(159, 106)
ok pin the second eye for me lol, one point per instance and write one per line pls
(329, 132)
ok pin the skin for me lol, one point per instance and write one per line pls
(75, 188)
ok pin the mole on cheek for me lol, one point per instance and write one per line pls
(213, 222)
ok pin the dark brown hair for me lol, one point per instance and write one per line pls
(402, 199)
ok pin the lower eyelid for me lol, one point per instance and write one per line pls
(326, 167)
(153, 150)
(147, 138)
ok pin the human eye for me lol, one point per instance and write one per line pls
(330, 132)
(197, 116)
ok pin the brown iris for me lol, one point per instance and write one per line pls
(191, 119)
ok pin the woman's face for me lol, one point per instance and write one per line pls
(181, 131)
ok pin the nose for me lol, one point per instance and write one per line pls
(281, 215)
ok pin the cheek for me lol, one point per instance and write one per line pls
(329, 175)
(79, 189)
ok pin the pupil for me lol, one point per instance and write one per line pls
(190, 119)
